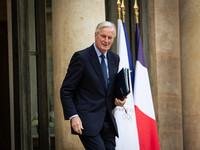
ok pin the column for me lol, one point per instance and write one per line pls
(74, 23)
(166, 72)
(190, 68)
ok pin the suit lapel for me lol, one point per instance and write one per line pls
(96, 65)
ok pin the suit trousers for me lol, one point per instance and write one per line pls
(105, 140)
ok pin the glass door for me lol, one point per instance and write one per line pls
(32, 98)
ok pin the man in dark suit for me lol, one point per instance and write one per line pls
(87, 92)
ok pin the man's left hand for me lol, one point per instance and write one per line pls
(119, 102)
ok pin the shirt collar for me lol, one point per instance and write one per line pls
(98, 52)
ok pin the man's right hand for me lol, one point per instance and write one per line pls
(77, 124)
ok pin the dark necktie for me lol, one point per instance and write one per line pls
(103, 67)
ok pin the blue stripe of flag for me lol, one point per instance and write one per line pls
(132, 73)
(139, 48)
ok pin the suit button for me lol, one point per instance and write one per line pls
(104, 110)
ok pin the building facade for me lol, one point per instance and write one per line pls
(38, 39)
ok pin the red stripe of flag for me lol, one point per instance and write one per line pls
(147, 131)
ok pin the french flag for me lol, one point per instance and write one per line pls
(143, 103)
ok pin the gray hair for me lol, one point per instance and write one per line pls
(105, 24)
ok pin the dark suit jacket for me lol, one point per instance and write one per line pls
(83, 91)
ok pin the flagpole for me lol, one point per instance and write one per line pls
(136, 11)
(123, 11)
(119, 9)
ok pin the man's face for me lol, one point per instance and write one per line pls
(104, 39)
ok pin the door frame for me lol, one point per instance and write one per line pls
(19, 73)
